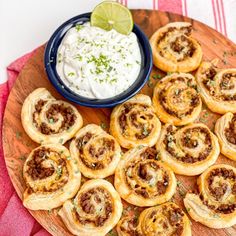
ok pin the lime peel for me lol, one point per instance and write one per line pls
(112, 15)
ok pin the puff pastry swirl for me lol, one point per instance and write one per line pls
(142, 180)
(176, 99)
(217, 87)
(225, 130)
(96, 209)
(98, 153)
(188, 150)
(135, 122)
(166, 220)
(51, 177)
(127, 226)
(173, 48)
(47, 120)
(215, 206)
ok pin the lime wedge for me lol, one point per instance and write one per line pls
(112, 15)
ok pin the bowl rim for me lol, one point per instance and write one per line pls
(58, 84)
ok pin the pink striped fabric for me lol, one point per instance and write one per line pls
(14, 218)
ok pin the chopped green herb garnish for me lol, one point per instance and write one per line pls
(177, 92)
(140, 146)
(59, 171)
(103, 125)
(18, 134)
(178, 183)
(68, 158)
(224, 61)
(182, 192)
(22, 158)
(188, 209)
(51, 120)
(110, 69)
(150, 84)
(71, 74)
(79, 57)
(79, 27)
(61, 140)
(157, 76)
(145, 131)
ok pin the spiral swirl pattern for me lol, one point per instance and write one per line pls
(98, 153)
(174, 50)
(134, 122)
(51, 177)
(166, 219)
(176, 99)
(47, 120)
(188, 150)
(225, 130)
(127, 226)
(215, 206)
(96, 209)
(217, 87)
(142, 180)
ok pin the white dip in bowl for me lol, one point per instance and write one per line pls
(95, 63)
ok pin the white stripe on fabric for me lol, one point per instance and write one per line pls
(140, 4)
(200, 10)
(230, 12)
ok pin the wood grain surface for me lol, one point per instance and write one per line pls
(17, 145)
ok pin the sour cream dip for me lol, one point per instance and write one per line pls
(95, 63)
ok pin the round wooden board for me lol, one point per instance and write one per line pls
(17, 145)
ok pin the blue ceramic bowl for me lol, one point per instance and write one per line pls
(50, 58)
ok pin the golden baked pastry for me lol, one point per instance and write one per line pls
(51, 177)
(173, 48)
(134, 122)
(188, 150)
(176, 99)
(98, 153)
(165, 220)
(96, 209)
(215, 206)
(127, 226)
(47, 120)
(142, 180)
(225, 130)
(217, 87)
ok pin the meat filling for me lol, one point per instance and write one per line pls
(102, 154)
(189, 142)
(144, 174)
(67, 113)
(219, 191)
(225, 84)
(88, 202)
(230, 132)
(130, 113)
(194, 97)
(37, 169)
(129, 227)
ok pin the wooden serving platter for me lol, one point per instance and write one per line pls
(17, 145)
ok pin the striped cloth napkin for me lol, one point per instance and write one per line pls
(219, 14)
